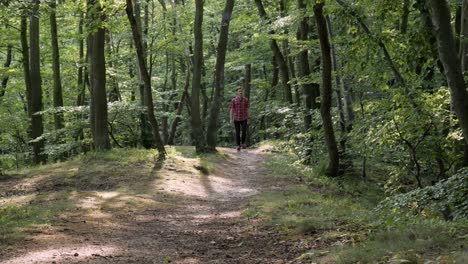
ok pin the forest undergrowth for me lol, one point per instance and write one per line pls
(346, 218)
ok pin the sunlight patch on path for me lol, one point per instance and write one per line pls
(63, 255)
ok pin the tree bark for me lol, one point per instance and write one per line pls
(446, 45)
(247, 88)
(145, 128)
(339, 97)
(404, 16)
(146, 79)
(309, 90)
(37, 127)
(25, 59)
(197, 128)
(326, 92)
(81, 69)
(6, 65)
(464, 37)
(180, 107)
(98, 67)
(213, 120)
(58, 98)
(283, 68)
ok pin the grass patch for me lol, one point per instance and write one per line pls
(207, 163)
(47, 189)
(338, 216)
(41, 211)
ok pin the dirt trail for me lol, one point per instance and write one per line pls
(190, 218)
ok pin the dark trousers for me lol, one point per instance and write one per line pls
(238, 125)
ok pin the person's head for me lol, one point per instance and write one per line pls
(239, 91)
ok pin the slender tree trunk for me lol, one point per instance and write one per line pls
(275, 77)
(348, 105)
(6, 65)
(114, 93)
(58, 98)
(283, 68)
(326, 91)
(37, 127)
(98, 68)
(339, 97)
(92, 100)
(81, 82)
(247, 88)
(404, 16)
(309, 90)
(464, 57)
(80, 100)
(463, 53)
(441, 19)
(145, 128)
(146, 79)
(180, 107)
(213, 121)
(25, 59)
(196, 122)
(165, 105)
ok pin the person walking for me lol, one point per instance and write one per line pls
(240, 117)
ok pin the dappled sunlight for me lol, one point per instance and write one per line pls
(180, 176)
(17, 200)
(224, 215)
(63, 254)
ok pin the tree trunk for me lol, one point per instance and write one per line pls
(197, 128)
(81, 69)
(404, 16)
(326, 92)
(213, 122)
(247, 88)
(339, 97)
(98, 68)
(446, 45)
(464, 57)
(114, 93)
(310, 91)
(80, 100)
(180, 107)
(275, 77)
(165, 105)
(6, 65)
(58, 98)
(37, 127)
(145, 128)
(146, 79)
(92, 104)
(464, 37)
(25, 59)
(283, 68)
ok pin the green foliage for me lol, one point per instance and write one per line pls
(447, 198)
(339, 215)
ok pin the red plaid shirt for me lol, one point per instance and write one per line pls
(240, 108)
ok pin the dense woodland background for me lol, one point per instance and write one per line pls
(343, 84)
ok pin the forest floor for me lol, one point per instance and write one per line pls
(186, 212)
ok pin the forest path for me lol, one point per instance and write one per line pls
(187, 218)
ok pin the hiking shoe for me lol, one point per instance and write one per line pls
(238, 148)
(244, 146)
